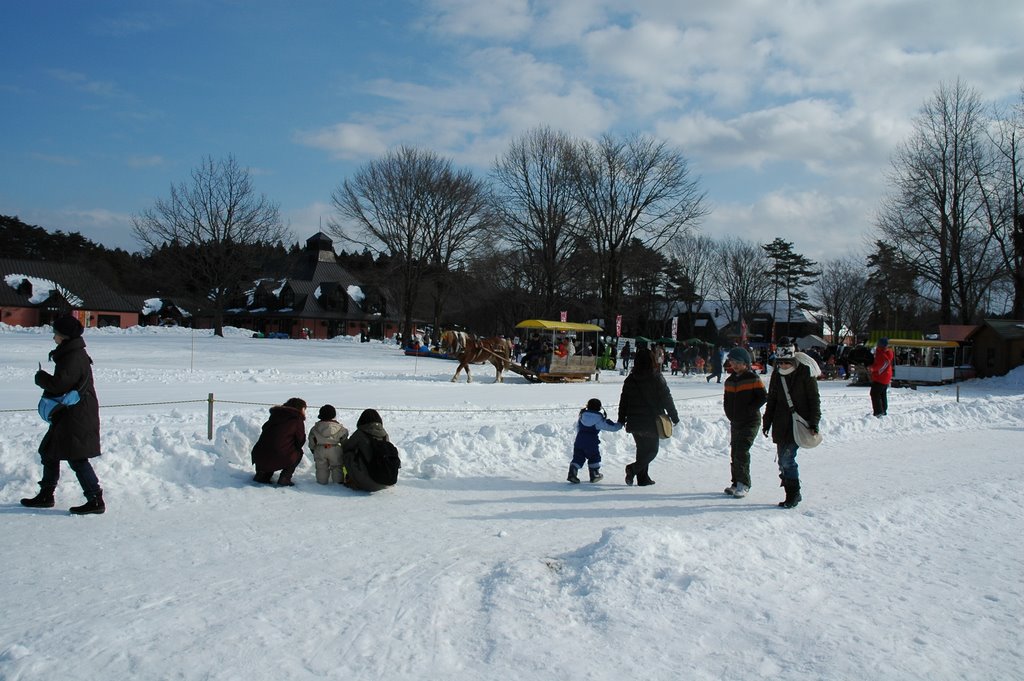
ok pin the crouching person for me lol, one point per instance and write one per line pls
(280, 445)
(325, 440)
(370, 461)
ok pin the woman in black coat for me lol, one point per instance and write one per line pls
(279, 447)
(800, 374)
(74, 432)
(359, 455)
(645, 396)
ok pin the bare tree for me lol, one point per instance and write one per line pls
(534, 195)
(840, 295)
(694, 255)
(934, 217)
(1003, 192)
(414, 206)
(632, 188)
(743, 277)
(217, 217)
(462, 221)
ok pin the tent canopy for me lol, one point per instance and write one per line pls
(916, 343)
(548, 325)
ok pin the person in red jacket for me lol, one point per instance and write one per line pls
(881, 377)
(280, 445)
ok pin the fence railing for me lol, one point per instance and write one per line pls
(210, 401)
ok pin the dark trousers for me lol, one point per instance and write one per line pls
(741, 439)
(82, 468)
(879, 398)
(580, 457)
(646, 450)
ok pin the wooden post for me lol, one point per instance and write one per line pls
(209, 417)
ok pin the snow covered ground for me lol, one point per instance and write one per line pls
(904, 560)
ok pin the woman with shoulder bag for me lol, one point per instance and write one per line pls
(796, 375)
(645, 397)
(74, 433)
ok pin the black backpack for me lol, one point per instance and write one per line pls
(384, 464)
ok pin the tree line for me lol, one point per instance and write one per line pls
(611, 226)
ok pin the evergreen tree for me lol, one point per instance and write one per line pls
(791, 273)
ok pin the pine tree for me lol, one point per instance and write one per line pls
(790, 272)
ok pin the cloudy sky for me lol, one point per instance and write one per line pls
(788, 110)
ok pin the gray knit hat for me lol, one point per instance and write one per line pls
(738, 354)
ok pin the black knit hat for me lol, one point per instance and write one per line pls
(69, 327)
(327, 413)
(593, 404)
(368, 416)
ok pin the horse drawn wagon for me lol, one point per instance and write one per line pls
(556, 367)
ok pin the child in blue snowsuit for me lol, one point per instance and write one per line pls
(588, 441)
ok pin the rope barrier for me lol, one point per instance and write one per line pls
(422, 410)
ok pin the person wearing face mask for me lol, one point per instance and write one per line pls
(74, 433)
(796, 373)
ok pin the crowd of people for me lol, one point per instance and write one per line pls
(365, 459)
(646, 399)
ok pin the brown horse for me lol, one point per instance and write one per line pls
(497, 351)
(453, 342)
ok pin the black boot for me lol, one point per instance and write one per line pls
(595, 475)
(792, 493)
(94, 505)
(643, 479)
(263, 477)
(574, 477)
(42, 500)
(630, 475)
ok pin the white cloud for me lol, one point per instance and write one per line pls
(821, 226)
(498, 19)
(346, 140)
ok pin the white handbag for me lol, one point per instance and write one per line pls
(802, 433)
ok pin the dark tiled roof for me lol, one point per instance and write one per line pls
(1010, 329)
(94, 294)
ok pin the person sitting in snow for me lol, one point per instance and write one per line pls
(587, 447)
(325, 440)
(370, 461)
(279, 447)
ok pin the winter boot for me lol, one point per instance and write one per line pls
(94, 505)
(740, 490)
(263, 477)
(731, 489)
(42, 500)
(792, 493)
(630, 475)
(595, 475)
(573, 476)
(285, 480)
(643, 479)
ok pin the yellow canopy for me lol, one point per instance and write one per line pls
(556, 326)
(914, 343)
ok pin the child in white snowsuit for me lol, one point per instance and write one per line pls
(587, 447)
(325, 441)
